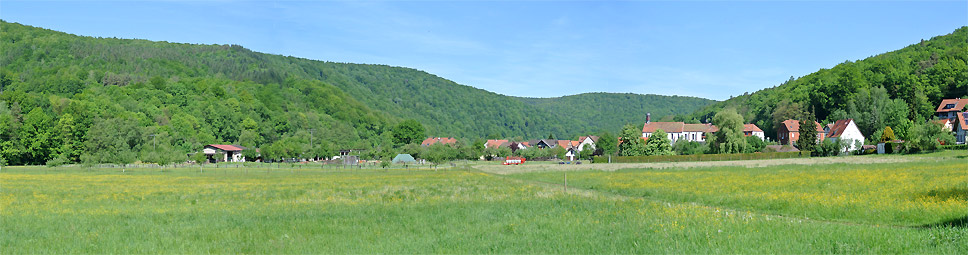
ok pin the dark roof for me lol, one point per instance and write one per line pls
(226, 147)
(952, 105)
(837, 128)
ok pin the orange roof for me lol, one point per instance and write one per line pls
(963, 120)
(668, 127)
(564, 143)
(794, 126)
(751, 128)
(952, 105)
(444, 140)
(494, 143)
(838, 128)
(582, 138)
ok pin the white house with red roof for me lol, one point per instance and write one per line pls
(752, 130)
(676, 131)
(224, 153)
(961, 128)
(587, 140)
(845, 130)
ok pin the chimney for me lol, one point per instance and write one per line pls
(648, 118)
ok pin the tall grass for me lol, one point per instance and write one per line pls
(396, 211)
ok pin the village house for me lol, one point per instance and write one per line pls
(587, 140)
(951, 116)
(949, 108)
(752, 130)
(434, 140)
(676, 131)
(789, 132)
(845, 130)
(961, 128)
(223, 153)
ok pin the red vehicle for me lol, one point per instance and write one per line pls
(513, 161)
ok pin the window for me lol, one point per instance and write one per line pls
(949, 106)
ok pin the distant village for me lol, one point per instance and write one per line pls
(951, 117)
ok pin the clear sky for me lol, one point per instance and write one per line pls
(710, 49)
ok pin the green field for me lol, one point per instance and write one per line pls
(914, 207)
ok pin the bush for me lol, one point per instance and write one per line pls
(954, 147)
(58, 161)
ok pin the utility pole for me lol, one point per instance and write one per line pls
(311, 149)
(154, 141)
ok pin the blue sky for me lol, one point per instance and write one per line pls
(710, 49)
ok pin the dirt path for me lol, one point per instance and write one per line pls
(501, 169)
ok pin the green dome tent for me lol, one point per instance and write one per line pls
(403, 158)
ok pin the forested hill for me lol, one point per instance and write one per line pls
(891, 89)
(597, 110)
(56, 87)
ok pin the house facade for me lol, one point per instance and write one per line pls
(587, 140)
(949, 108)
(845, 130)
(961, 128)
(223, 153)
(789, 132)
(951, 115)
(676, 131)
(752, 130)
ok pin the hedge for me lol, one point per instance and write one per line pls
(701, 157)
(954, 147)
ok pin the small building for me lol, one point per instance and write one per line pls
(404, 159)
(845, 130)
(495, 143)
(223, 153)
(789, 132)
(752, 130)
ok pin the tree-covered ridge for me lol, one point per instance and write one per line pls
(610, 111)
(915, 79)
(56, 87)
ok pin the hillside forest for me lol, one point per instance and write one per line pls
(898, 89)
(76, 99)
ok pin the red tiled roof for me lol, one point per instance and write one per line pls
(227, 147)
(564, 143)
(837, 128)
(794, 126)
(444, 140)
(963, 120)
(495, 143)
(668, 127)
(958, 103)
(751, 128)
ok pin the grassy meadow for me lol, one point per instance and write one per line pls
(839, 208)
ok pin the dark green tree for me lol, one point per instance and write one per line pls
(408, 132)
(658, 144)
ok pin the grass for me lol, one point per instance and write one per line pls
(65, 210)
(903, 194)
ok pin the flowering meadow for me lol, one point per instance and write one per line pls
(65, 210)
(898, 194)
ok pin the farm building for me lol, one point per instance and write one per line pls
(224, 153)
